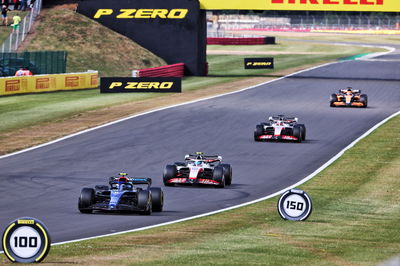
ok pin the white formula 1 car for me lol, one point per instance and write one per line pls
(280, 128)
(199, 169)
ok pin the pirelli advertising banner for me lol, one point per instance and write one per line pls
(115, 84)
(308, 5)
(259, 63)
(46, 83)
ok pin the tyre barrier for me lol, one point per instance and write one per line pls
(240, 41)
(175, 70)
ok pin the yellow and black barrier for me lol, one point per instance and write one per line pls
(46, 83)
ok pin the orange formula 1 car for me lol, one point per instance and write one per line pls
(349, 97)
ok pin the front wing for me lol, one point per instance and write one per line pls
(356, 104)
(119, 207)
(275, 137)
(191, 181)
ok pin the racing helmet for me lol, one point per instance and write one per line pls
(349, 90)
(197, 163)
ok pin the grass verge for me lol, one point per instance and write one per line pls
(354, 222)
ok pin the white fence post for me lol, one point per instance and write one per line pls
(10, 47)
(23, 30)
(30, 21)
(16, 40)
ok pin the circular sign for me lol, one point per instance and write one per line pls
(295, 205)
(26, 240)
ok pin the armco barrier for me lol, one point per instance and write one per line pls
(46, 83)
(241, 41)
(175, 70)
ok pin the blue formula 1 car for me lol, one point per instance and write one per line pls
(122, 194)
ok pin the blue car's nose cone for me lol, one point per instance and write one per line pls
(115, 197)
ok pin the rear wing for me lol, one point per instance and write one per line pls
(283, 118)
(291, 119)
(354, 91)
(134, 180)
(213, 158)
(140, 181)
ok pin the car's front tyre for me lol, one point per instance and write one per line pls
(259, 131)
(227, 174)
(145, 202)
(303, 131)
(364, 100)
(86, 200)
(218, 175)
(297, 133)
(170, 172)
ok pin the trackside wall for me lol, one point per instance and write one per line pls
(175, 70)
(174, 30)
(240, 41)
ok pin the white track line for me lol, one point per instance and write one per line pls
(373, 55)
(320, 169)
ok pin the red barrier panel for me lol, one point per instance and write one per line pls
(175, 70)
(236, 41)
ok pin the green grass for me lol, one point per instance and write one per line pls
(89, 44)
(354, 222)
(25, 110)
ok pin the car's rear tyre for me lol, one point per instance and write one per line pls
(364, 100)
(218, 175)
(297, 133)
(227, 174)
(333, 99)
(144, 202)
(86, 200)
(170, 172)
(157, 199)
(303, 131)
(259, 131)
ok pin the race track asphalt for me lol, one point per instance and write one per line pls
(45, 183)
